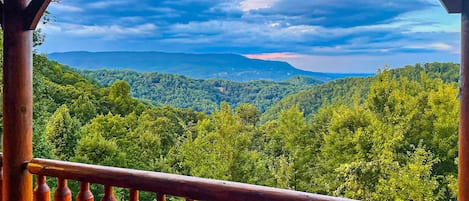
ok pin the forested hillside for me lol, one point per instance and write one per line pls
(202, 95)
(350, 90)
(396, 142)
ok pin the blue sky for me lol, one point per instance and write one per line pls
(315, 35)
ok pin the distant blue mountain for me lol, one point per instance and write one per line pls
(223, 66)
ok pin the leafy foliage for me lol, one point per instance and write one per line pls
(202, 95)
(389, 137)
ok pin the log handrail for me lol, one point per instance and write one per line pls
(163, 183)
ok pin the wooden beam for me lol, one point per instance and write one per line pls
(34, 12)
(452, 6)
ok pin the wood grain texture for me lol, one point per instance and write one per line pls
(17, 103)
(176, 185)
(62, 193)
(42, 190)
(133, 196)
(108, 194)
(463, 155)
(85, 194)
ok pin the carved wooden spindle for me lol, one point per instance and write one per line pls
(160, 197)
(62, 193)
(85, 194)
(133, 195)
(1, 183)
(42, 190)
(108, 195)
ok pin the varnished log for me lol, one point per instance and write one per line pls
(176, 185)
(1, 168)
(463, 153)
(133, 196)
(108, 194)
(62, 193)
(85, 194)
(17, 103)
(160, 197)
(42, 190)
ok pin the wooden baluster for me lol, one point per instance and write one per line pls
(85, 194)
(160, 197)
(108, 195)
(42, 190)
(1, 182)
(133, 195)
(62, 193)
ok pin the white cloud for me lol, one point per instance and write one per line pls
(104, 31)
(65, 8)
(247, 5)
(106, 4)
(433, 19)
(433, 46)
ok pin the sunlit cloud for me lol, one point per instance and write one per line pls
(247, 5)
(433, 46)
(273, 56)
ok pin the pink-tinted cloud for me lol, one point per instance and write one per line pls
(270, 56)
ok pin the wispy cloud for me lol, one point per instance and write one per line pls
(247, 5)
(436, 46)
(103, 31)
(61, 7)
(106, 4)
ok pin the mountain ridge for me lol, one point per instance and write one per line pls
(227, 66)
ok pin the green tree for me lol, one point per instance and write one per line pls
(62, 133)
(83, 108)
(218, 150)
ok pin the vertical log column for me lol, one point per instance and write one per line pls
(17, 102)
(463, 194)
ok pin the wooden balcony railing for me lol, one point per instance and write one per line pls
(162, 184)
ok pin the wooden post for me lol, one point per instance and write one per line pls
(463, 170)
(17, 103)
(18, 18)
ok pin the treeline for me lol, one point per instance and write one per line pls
(202, 95)
(397, 142)
(346, 91)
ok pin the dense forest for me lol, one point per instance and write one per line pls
(390, 137)
(202, 95)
